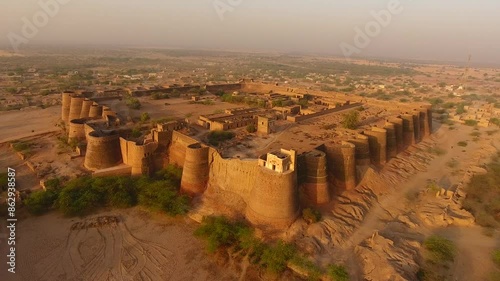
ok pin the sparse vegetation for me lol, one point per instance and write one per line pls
(311, 215)
(483, 195)
(438, 253)
(4, 181)
(351, 120)
(470, 122)
(217, 137)
(338, 273)
(436, 151)
(133, 103)
(251, 128)
(145, 117)
(462, 143)
(83, 195)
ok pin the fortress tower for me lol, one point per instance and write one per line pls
(95, 111)
(66, 104)
(103, 150)
(416, 124)
(75, 107)
(362, 150)
(398, 126)
(195, 170)
(76, 129)
(378, 145)
(408, 130)
(316, 182)
(274, 199)
(392, 145)
(86, 108)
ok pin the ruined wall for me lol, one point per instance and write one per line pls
(398, 126)
(392, 145)
(195, 170)
(342, 164)
(76, 130)
(408, 130)
(66, 105)
(273, 199)
(377, 138)
(299, 118)
(86, 108)
(133, 154)
(224, 87)
(95, 111)
(429, 118)
(315, 185)
(426, 120)
(106, 111)
(103, 150)
(75, 107)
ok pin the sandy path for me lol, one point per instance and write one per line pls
(24, 123)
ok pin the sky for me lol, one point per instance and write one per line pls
(446, 30)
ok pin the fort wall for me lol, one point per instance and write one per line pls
(177, 149)
(377, 138)
(103, 150)
(133, 154)
(416, 124)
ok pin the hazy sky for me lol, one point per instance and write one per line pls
(425, 29)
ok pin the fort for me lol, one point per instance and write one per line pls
(275, 184)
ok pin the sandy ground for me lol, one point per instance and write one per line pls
(24, 123)
(141, 246)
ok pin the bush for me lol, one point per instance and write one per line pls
(313, 271)
(21, 146)
(145, 117)
(251, 128)
(218, 231)
(462, 143)
(170, 173)
(351, 120)
(79, 197)
(133, 103)
(440, 249)
(275, 257)
(162, 196)
(496, 257)
(216, 137)
(471, 123)
(40, 202)
(311, 215)
(338, 273)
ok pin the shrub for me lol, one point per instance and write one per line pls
(275, 257)
(218, 231)
(133, 103)
(436, 151)
(170, 173)
(496, 257)
(311, 215)
(337, 273)
(21, 146)
(471, 123)
(462, 143)
(351, 120)
(313, 271)
(216, 137)
(145, 117)
(251, 128)
(162, 196)
(40, 202)
(440, 249)
(79, 197)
